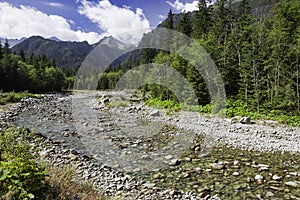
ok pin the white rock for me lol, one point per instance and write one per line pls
(235, 173)
(276, 177)
(258, 177)
(292, 184)
(154, 113)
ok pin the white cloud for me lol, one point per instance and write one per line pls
(54, 4)
(25, 21)
(188, 7)
(120, 22)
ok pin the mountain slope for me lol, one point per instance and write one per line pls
(12, 42)
(69, 54)
(66, 54)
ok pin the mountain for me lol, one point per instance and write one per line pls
(54, 39)
(66, 54)
(112, 43)
(12, 42)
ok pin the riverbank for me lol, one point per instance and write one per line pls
(221, 159)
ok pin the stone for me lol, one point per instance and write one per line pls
(174, 162)
(120, 187)
(72, 156)
(245, 120)
(276, 177)
(236, 162)
(292, 184)
(263, 165)
(293, 173)
(235, 119)
(149, 185)
(154, 113)
(235, 173)
(263, 169)
(158, 176)
(217, 166)
(168, 157)
(258, 177)
(269, 194)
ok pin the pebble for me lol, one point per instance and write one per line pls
(217, 166)
(259, 177)
(292, 184)
(235, 173)
(276, 177)
(236, 162)
(174, 162)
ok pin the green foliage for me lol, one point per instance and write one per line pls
(34, 73)
(240, 108)
(20, 179)
(171, 106)
(20, 176)
(13, 97)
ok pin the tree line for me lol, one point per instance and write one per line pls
(257, 55)
(34, 73)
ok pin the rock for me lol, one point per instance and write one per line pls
(217, 166)
(276, 177)
(198, 169)
(258, 177)
(154, 113)
(245, 120)
(269, 194)
(292, 184)
(120, 187)
(72, 156)
(174, 162)
(270, 122)
(158, 176)
(263, 165)
(168, 157)
(149, 185)
(235, 173)
(263, 169)
(293, 173)
(104, 101)
(235, 119)
(236, 162)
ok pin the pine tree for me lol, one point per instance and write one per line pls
(184, 25)
(170, 22)
(201, 20)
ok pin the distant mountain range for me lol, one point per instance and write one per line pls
(12, 42)
(65, 53)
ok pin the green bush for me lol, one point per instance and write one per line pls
(20, 179)
(13, 97)
(233, 108)
(20, 176)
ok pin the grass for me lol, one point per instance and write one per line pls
(13, 97)
(234, 108)
(61, 184)
(23, 177)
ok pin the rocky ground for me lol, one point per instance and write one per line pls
(130, 150)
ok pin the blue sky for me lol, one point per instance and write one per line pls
(79, 20)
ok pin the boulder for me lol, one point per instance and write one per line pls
(154, 113)
(245, 120)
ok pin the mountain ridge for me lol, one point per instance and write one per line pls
(67, 54)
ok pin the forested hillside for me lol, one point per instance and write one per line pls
(31, 73)
(66, 54)
(257, 55)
